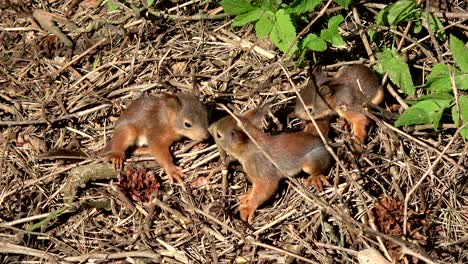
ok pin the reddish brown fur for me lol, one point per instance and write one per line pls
(293, 153)
(154, 123)
(347, 94)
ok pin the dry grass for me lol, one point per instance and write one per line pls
(58, 98)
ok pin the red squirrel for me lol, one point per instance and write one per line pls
(292, 152)
(347, 94)
(153, 123)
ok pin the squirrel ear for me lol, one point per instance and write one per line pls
(256, 115)
(238, 137)
(325, 90)
(173, 101)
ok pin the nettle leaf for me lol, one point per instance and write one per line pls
(331, 34)
(283, 34)
(459, 52)
(236, 7)
(252, 15)
(463, 102)
(389, 61)
(439, 80)
(401, 11)
(434, 25)
(264, 25)
(425, 112)
(313, 42)
(343, 3)
(302, 6)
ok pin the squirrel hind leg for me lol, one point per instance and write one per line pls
(260, 192)
(317, 162)
(316, 175)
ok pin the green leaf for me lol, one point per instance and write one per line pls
(439, 80)
(463, 102)
(271, 5)
(112, 5)
(459, 52)
(417, 26)
(331, 34)
(283, 34)
(149, 2)
(401, 11)
(264, 25)
(442, 99)
(236, 7)
(389, 61)
(434, 25)
(343, 3)
(371, 32)
(302, 6)
(313, 42)
(425, 112)
(252, 15)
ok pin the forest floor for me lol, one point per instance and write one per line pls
(405, 194)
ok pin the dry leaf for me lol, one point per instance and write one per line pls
(198, 182)
(32, 143)
(91, 4)
(178, 68)
(371, 256)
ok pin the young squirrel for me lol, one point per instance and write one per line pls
(154, 123)
(347, 94)
(292, 152)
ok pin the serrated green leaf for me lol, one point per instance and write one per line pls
(425, 112)
(462, 81)
(236, 7)
(252, 15)
(343, 3)
(435, 25)
(442, 99)
(464, 132)
(271, 5)
(389, 61)
(302, 6)
(313, 42)
(438, 71)
(401, 11)
(112, 5)
(283, 34)
(463, 102)
(439, 80)
(264, 25)
(459, 52)
(149, 2)
(331, 34)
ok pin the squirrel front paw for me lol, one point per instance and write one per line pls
(117, 158)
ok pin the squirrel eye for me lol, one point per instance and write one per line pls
(187, 124)
(218, 135)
